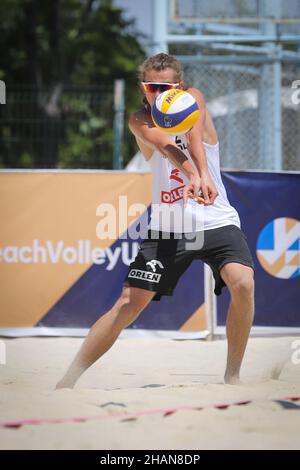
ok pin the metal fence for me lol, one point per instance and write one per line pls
(72, 127)
(65, 127)
(240, 97)
(244, 55)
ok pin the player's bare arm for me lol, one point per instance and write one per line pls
(148, 135)
(197, 151)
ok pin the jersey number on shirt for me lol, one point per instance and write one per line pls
(179, 143)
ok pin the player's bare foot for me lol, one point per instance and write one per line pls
(64, 384)
(232, 380)
(71, 376)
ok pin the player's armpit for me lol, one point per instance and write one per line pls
(143, 129)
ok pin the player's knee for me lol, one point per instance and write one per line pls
(125, 296)
(243, 287)
(128, 313)
(128, 310)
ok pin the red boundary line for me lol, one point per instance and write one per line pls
(16, 424)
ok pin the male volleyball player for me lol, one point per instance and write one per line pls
(164, 257)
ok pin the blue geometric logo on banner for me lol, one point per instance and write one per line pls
(278, 248)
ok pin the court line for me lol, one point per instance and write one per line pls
(16, 424)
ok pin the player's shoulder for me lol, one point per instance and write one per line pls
(197, 94)
(139, 117)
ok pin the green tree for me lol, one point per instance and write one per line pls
(59, 59)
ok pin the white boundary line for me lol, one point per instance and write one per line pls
(81, 332)
(265, 331)
(142, 333)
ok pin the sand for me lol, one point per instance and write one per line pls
(144, 374)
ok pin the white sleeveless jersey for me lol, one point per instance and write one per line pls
(167, 189)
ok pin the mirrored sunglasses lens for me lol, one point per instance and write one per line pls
(153, 87)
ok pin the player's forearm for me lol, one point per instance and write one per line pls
(199, 158)
(197, 151)
(208, 187)
(179, 160)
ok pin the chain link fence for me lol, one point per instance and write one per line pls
(65, 127)
(72, 127)
(240, 98)
(290, 119)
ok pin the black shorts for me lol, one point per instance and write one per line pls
(161, 261)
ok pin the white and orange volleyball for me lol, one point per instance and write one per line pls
(175, 111)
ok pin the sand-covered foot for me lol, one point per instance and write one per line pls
(64, 384)
(232, 380)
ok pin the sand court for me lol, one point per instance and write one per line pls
(151, 394)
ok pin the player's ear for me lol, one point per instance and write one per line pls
(142, 89)
(182, 85)
(146, 105)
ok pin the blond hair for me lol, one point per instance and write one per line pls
(160, 62)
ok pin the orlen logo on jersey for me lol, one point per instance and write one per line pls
(175, 176)
(168, 197)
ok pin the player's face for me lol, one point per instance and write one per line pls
(163, 76)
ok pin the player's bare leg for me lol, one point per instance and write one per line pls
(239, 280)
(105, 331)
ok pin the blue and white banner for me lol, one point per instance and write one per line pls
(57, 274)
(269, 208)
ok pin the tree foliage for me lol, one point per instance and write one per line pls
(56, 57)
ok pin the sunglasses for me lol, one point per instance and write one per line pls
(153, 87)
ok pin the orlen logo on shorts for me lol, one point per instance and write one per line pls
(147, 275)
(154, 264)
(278, 248)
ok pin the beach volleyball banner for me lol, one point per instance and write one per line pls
(55, 269)
(56, 273)
(269, 207)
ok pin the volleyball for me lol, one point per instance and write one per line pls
(175, 111)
